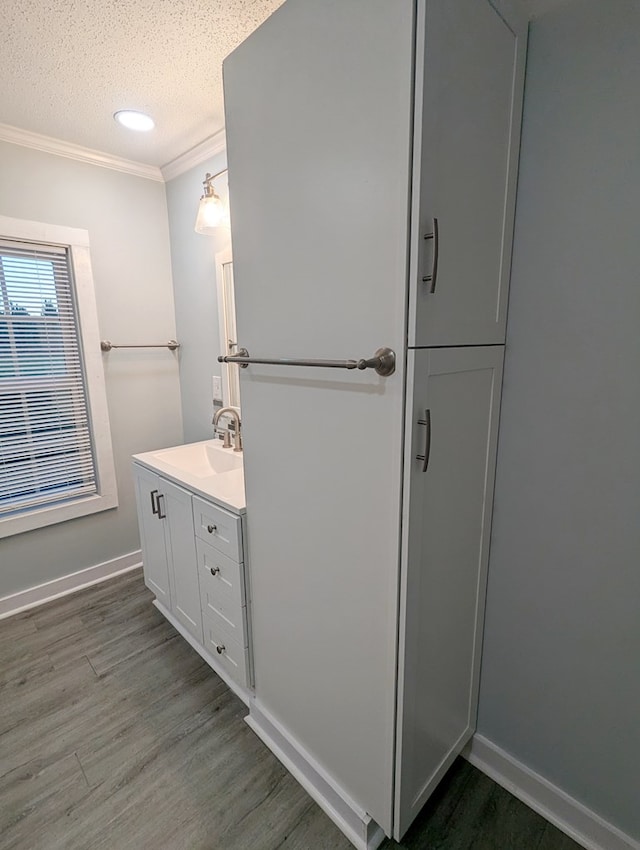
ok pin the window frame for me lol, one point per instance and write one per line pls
(76, 241)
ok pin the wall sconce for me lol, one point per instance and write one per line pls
(212, 212)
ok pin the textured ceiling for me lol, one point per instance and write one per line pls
(67, 65)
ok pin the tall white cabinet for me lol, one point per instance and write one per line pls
(372, 148)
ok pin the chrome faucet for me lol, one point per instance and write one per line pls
(237, 437)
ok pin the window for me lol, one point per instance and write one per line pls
(55, 447)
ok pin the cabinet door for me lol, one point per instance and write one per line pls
(175, 504)
(468, 116)
(154, 554)
(452, 421)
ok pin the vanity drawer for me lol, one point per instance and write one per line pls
(228, 617)
(221, 587)
(228, 652)
(218, 528)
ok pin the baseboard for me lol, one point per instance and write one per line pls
(363, 832)
(57, 587)
(571, 817)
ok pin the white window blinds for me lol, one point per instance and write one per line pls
(46, 453)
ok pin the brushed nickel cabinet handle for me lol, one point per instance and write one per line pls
(220, 649)
(214, 571)
(427, 440)
(212, 529)
(433, 277)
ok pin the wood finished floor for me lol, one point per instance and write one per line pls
(114, 734)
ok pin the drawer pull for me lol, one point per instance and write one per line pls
(214, 571)
(220, 649)
(212, 529)
(427, 440)
(433, 277)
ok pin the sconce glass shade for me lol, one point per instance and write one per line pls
(213, 212)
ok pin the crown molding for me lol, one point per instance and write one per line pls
(198, 154)
(47, 144)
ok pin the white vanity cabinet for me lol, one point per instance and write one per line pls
(193, 563)
(223, 590)
(152, 534)
(168, 547)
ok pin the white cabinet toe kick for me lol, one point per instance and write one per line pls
(363, 832)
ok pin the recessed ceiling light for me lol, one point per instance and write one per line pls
(134, 120)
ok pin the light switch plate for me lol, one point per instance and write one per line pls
(217, 388)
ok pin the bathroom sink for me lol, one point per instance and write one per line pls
(201, 459)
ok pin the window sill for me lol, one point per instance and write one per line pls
(41, 517)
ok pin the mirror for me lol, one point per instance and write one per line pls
(230, 372)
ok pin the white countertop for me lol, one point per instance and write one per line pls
(193, 466)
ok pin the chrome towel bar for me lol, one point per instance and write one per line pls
(172, 345)
(383, 361)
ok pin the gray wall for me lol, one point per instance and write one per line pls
(126, 217)
(194, 280)
(561, 666)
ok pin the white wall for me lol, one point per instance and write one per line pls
(126, 217)
(194, 279)
(561, 665)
